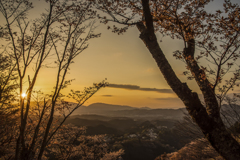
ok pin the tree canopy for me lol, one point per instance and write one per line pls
(204, 35)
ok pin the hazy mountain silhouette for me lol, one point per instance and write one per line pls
(128, 111)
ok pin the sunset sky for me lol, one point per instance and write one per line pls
(130, 70)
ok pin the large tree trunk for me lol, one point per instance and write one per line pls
(208, 118)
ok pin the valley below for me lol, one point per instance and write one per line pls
(142, 133)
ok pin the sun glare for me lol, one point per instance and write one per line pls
(23, 95)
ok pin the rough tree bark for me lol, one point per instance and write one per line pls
(207, 117)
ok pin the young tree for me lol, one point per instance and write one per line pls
(62, 32)
(8, 110)
(215, 35)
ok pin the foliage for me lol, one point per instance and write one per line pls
(71, 143)
(216, 35)
(212, 36)
(8, 110)
(198, 147)
(8, 79)
(196, 150)
(61, 33)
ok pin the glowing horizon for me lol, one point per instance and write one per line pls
(125, 61)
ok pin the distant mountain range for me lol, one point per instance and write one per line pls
(101, 118)
(106, 107)
(128, 111)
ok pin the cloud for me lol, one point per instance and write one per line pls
(167, 99)
(135, 87)
(107, 95)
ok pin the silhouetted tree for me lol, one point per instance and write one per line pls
(215, 35)
(61, 33)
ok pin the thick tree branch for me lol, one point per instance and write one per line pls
(208, 119)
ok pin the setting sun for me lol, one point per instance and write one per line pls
(23, 95)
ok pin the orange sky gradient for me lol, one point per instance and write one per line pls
(123, 60)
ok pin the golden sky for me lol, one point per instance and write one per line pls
(128, 66)
(124, 61)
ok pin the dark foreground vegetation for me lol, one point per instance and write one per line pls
(145, 137)
(32, 123)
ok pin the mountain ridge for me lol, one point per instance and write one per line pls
(128, 111)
